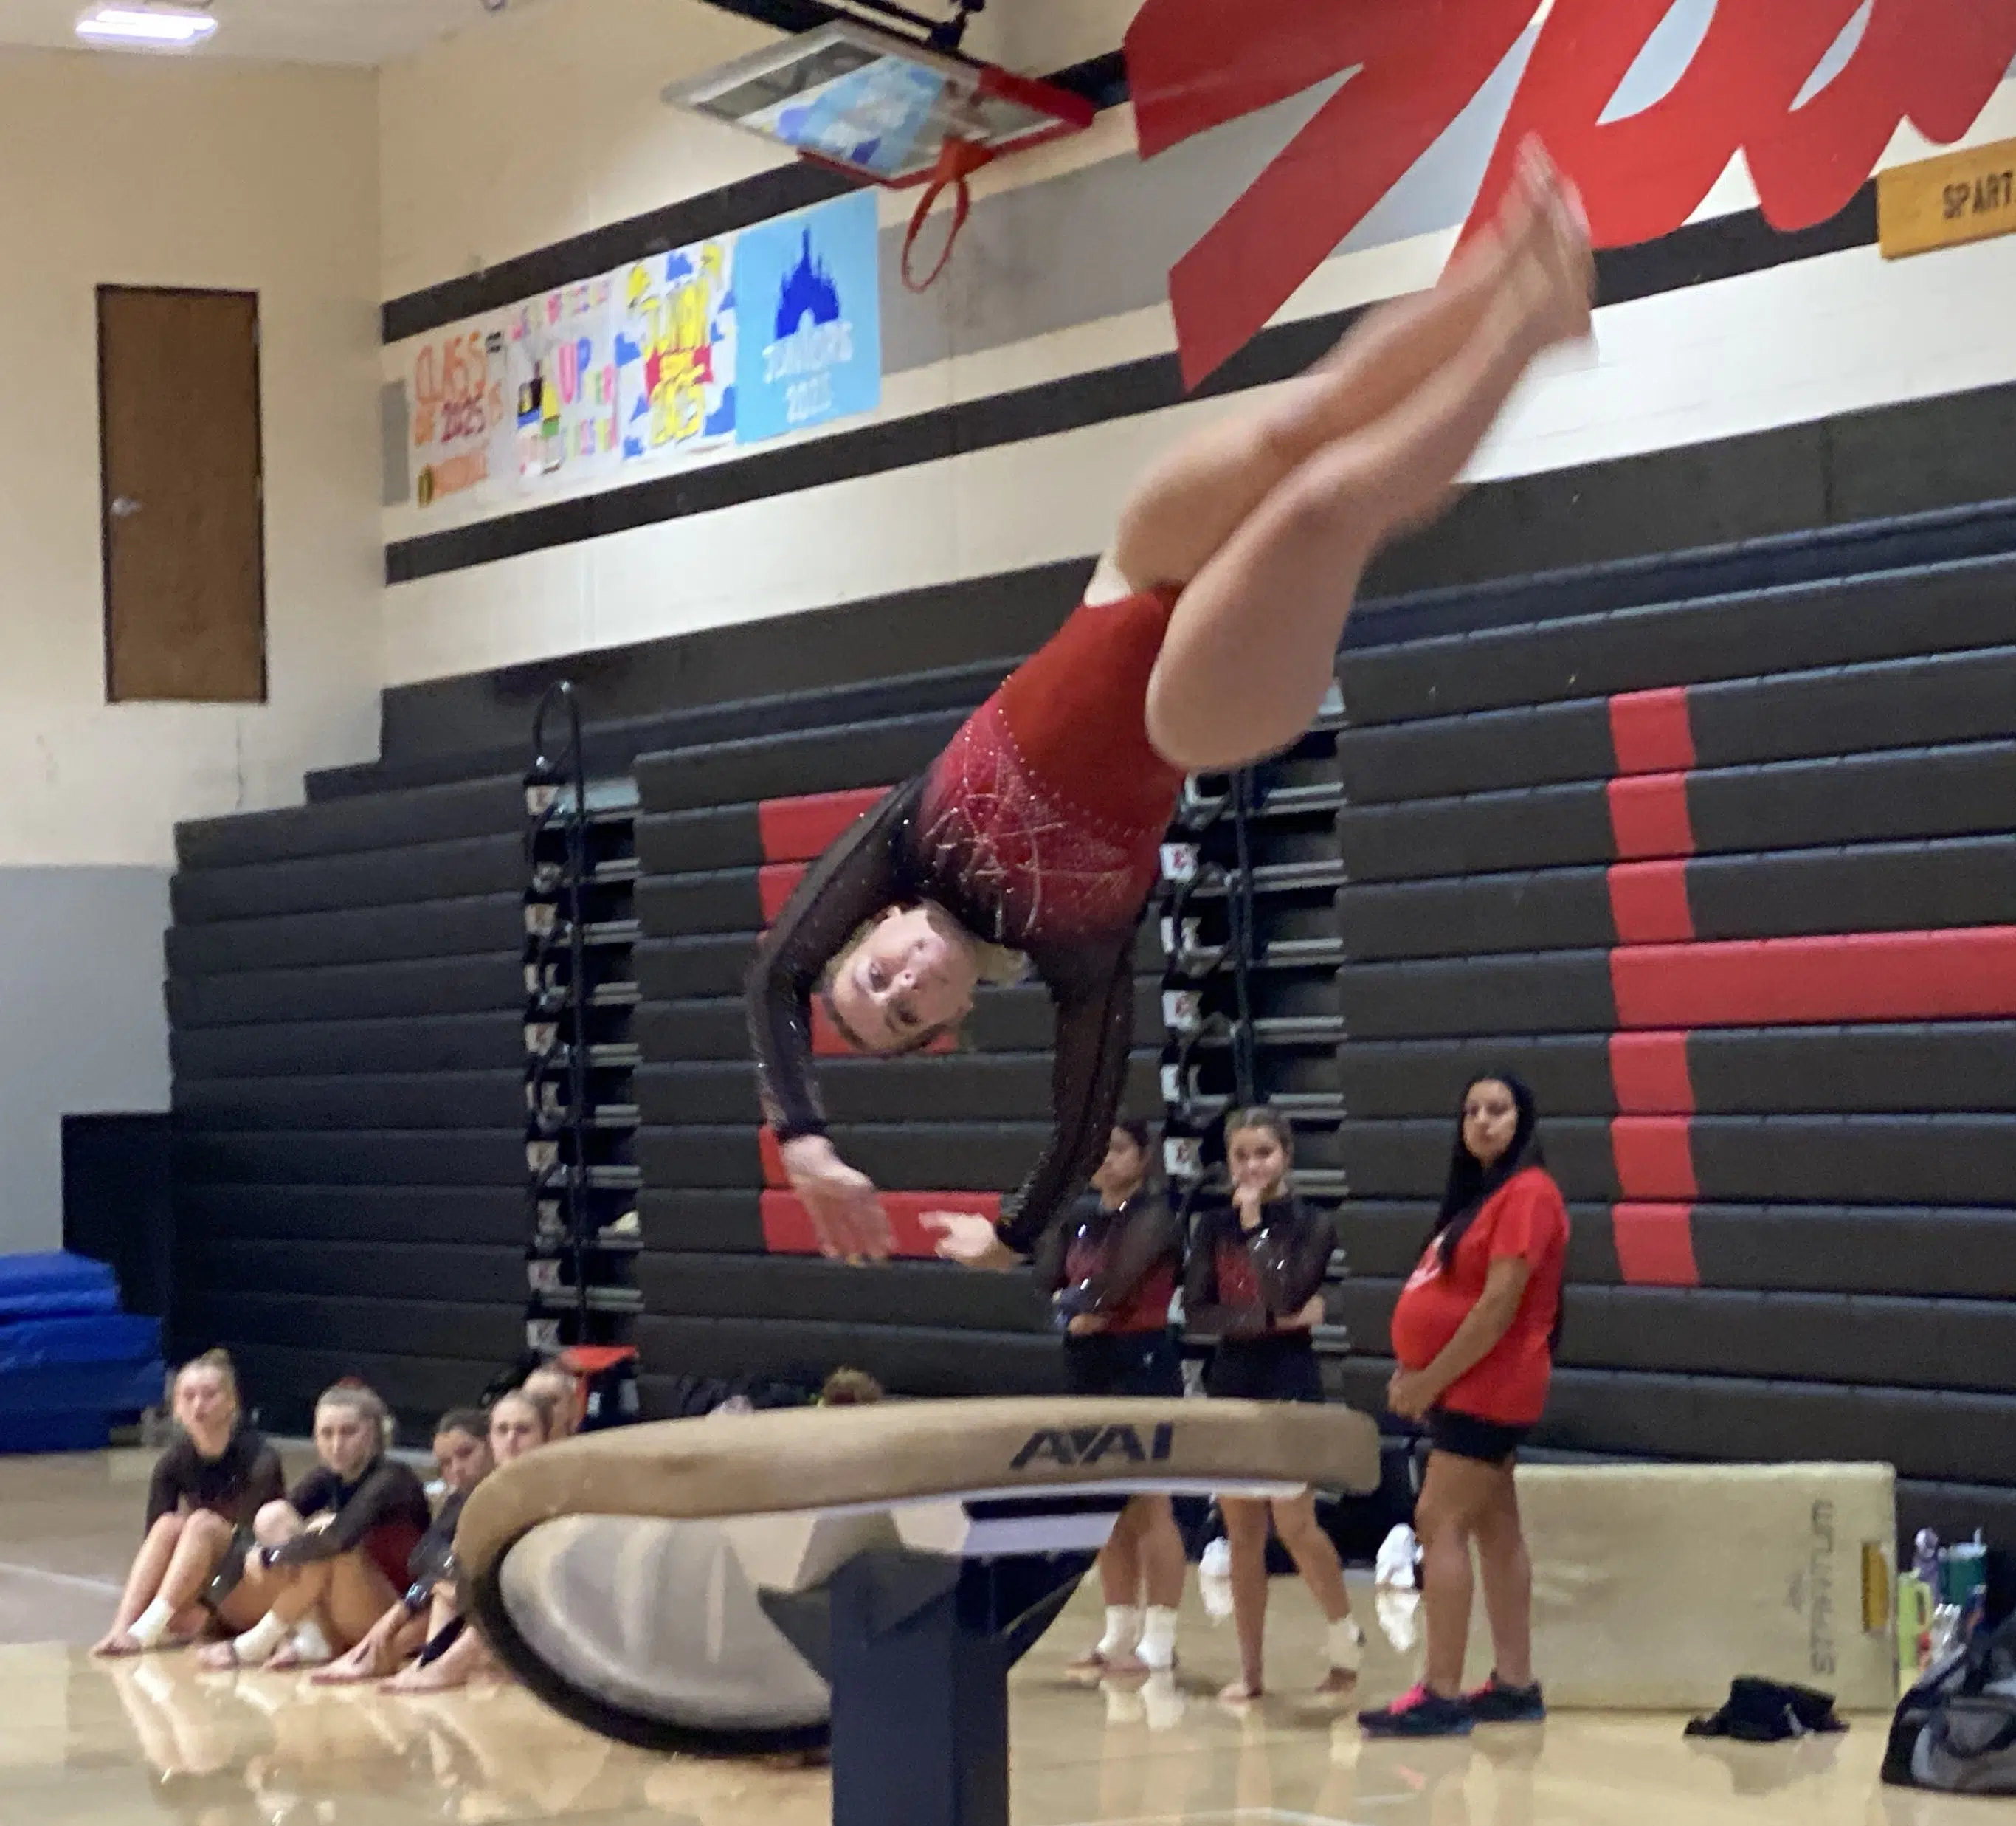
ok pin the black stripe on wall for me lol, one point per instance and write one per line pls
(1747, 508)
(1728, 247)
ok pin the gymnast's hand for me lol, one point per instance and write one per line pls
(845, 1208)
(971, 1240)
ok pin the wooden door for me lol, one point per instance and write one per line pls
(184, 519)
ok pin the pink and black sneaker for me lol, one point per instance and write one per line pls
(1419, 1713)
(1496, 1703)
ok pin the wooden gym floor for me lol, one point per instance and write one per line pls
(152, 1741)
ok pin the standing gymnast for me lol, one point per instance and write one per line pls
(1255, 1284)
(1112, 1274)
(1207, 639)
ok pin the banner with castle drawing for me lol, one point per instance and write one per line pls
(809, 287)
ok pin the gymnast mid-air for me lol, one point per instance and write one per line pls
(1206, 641)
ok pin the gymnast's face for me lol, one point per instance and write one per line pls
(205, 1405)
(914, 970)
(1256, 1159)
(515, 1427)
(346, 1438)
(1125, 1166)
(1490, 1120)
(462, 1459)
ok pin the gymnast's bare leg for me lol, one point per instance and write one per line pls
(1266, 523)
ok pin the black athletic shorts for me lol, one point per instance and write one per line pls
(1141, 1364)
(1464, 1435)
(1279, 1367)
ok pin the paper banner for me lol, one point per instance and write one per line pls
(811, 290)
(675, 352)
(459, 424)
(563, 370)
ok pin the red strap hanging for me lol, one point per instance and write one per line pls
(958, 159)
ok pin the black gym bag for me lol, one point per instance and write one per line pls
(1955, 1731)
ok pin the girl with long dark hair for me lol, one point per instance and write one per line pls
(1474, 1333)
(1112, 1275)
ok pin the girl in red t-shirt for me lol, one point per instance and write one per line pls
(1473, 1334)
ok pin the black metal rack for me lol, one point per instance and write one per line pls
(1207, 922)
(581, 993)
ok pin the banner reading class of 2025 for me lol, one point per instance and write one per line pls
(740, 339)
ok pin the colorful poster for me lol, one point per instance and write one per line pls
(675, 352)
(563, 382)
(810, 288)
(461, 426)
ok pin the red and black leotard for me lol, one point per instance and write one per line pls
(1037, 828)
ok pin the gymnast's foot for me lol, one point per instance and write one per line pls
(1095, 1665)
(1243, 1692)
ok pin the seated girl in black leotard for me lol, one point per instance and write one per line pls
(455, 1653)
(1207, 639)
(205, 1489)
(462, 1456)
(331, 1558)
(1256, 1283)
(1111, 1268)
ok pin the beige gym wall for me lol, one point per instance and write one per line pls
(157, 172)
(153, 172)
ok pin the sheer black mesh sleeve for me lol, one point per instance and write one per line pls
(1205, 1310)
(173, 1476)
(1290, 1277)
(1094, 994)
(1150, 1235)
(859, 875)
(390, 1492)
(268, 1483)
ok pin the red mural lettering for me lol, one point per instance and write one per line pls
(1197, 64)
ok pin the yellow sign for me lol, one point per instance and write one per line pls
(1941, 202)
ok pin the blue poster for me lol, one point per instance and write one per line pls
(808, 294)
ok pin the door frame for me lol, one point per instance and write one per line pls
(105, 495)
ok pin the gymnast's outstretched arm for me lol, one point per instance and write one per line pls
(1094, 1029)
(1094, 991)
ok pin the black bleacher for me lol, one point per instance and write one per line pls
(1432, 880)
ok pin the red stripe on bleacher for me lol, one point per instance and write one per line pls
(1651, 731)
(1648, 816)
(795, 830)
(1648, 903)
(1966, 973)
(1655, 1157)
(1649, 1073)
(775, 883)
(787, 1226)
(1655, 1245)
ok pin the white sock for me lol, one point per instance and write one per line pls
(260, 1641)
(1347, 1644)
(311, 1645)
(1158, 1639)
(1123, 1629)
(151, 1625)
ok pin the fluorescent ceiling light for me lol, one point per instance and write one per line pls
(146, 28)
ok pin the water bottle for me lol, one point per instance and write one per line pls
(1925, 1558)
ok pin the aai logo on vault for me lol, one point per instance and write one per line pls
(810, 290)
